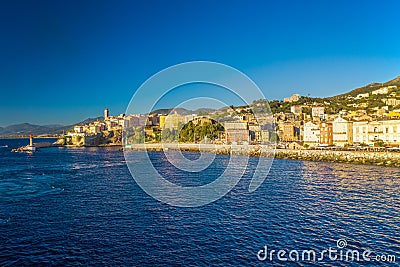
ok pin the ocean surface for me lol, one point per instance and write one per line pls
(81, 207)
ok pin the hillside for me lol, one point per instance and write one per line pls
(25, 129)
(350, 101)
(369, 88)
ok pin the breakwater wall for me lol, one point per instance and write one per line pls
(357, 157)
(246, 150)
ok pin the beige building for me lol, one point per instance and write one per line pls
(318, 112)
(296, 109)
(342, 131)
(287, 131)
(391, 101)
(391, 132)
(236, 132)
(293, 98)
(173, 121)
(381, 91)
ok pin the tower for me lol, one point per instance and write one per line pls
(106, 113)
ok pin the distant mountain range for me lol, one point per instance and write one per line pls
(24, 129)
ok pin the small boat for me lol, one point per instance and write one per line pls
(5, 146)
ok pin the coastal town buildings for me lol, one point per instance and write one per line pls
(360, 96)
(367, 119)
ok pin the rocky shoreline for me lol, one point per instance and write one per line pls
(354, 157)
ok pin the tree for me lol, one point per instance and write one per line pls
(202, 130)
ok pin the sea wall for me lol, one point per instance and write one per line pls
(357, 157)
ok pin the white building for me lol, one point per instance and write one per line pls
(370, 132)
(360, 132)
(78, 129)
(381, 91)
(342, 132)
(311, 134)
(389, 132)
(359, 96)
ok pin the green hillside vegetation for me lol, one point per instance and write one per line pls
(196, 133)
(335, 104)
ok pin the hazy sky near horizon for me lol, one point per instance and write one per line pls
(64, 61)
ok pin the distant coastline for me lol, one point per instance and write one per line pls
(27, 137)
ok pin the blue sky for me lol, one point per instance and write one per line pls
(64, 61)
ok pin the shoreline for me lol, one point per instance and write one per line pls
(351, 157)
(387, 158)
(340, 156)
